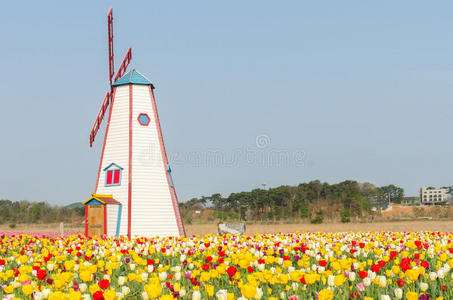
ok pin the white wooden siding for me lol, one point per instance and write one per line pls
(117, 151)
(112, 217)
(152, 208)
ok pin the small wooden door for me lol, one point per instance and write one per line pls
(95, 220)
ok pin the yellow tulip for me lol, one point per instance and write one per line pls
(27, 289)
(411, 296)
(248, 291)
(325, 294)
(153, 290)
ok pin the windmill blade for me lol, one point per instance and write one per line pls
(110, 38)
(123, 67)
(99, 118)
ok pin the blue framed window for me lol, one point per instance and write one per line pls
(143, 119)
(113, 175)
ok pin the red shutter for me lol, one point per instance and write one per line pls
(109, 177)
(116, 177)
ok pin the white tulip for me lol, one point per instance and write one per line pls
(182, 292)
(145, 296)
(119, 296)
(366, 281)
(330, 280)
(423, 286)
(38, 296)
(259, 293)
(221, 295)
(196, 295)
(162, 276)
(121, 280)
(382, 281)
(82, 287)
(125, 290)
(398, 293)
(177, 276)
(144, 276)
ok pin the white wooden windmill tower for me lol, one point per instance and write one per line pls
(134, 193)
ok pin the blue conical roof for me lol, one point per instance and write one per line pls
(133, 77)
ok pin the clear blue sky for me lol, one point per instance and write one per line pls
(335, 90)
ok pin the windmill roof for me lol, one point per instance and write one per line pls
(133, 77)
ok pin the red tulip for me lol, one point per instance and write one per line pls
(231, 271)
(41, 274)
(104, 284)
(363, 274)
(322, 263)
(98, 296)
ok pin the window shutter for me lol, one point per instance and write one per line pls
(116, 177)
(109, 177)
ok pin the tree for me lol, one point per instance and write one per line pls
(390, 193)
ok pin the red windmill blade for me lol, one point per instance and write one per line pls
(110, 41)
(122, 69)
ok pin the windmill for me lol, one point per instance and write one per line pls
(134, 193)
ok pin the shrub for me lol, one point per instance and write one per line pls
(304, 212)
(318, 218)
(12, 226)
(345, 216)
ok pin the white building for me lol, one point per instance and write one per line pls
(431, 196)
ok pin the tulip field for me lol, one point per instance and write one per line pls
(323, 266)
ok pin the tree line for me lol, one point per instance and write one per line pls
(314, 200)
(38, 212)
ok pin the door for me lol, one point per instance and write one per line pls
(95, 220)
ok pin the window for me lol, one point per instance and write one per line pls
(143, 119)
(113, 175)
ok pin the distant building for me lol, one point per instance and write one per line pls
(432, 196)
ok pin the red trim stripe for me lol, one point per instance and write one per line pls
(86, 220)
(129, 192)
(105, 139)
(105, 218)
(182, 231)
